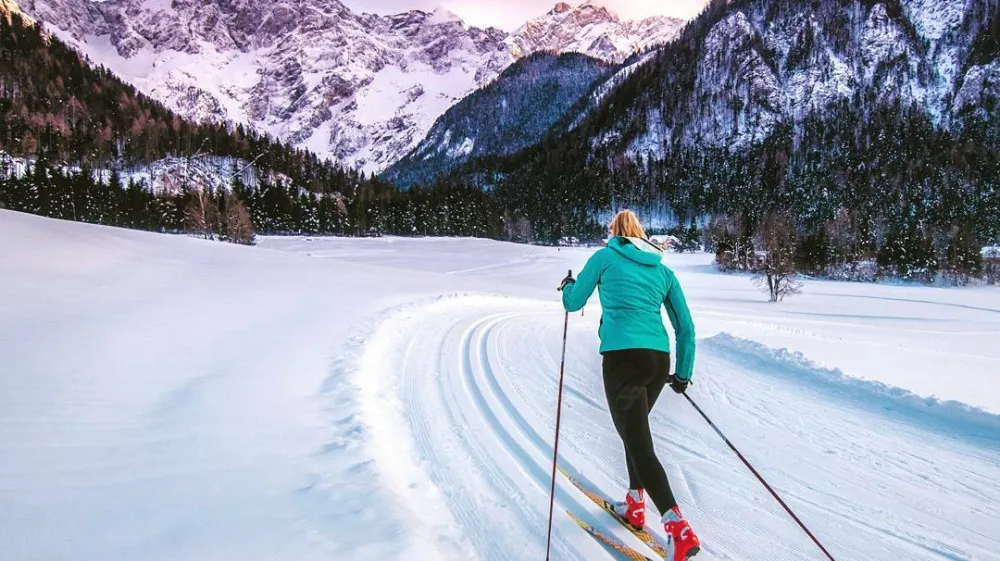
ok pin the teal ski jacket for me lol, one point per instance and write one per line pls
(634, 286)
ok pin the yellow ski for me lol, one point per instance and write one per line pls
(610, 541)
(644, 535)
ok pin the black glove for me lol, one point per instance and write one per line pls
(679, 385)
(569, 278)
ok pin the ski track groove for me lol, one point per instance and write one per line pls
(480, 412)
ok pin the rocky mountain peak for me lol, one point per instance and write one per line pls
(560, 8)
(9, 7)
(593, 29)
(362, 88)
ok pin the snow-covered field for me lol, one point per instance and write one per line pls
(164, 397)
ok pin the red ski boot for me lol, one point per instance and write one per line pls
(685, 543)
(633, 508)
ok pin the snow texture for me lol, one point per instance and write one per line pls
(164, 397)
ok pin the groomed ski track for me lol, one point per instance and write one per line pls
(457, 395)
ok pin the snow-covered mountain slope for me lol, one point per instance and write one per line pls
(745, 67)
(168, 398)
(513, 112)
(361, 88)
(591, 28)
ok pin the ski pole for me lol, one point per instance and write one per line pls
(759, 478)
(555, 448)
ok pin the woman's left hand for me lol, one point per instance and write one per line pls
(679, 385)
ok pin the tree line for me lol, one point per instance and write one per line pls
(81, 129)
(861, 194)
(238, 212)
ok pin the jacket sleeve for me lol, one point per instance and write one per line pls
(680, 319)
(575, 294)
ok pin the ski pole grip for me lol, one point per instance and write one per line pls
(562, 284)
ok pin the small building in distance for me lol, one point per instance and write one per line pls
(664, 241)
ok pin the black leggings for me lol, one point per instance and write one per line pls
(633, 379)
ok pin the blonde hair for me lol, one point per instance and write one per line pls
(626, 224)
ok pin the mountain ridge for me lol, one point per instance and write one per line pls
(361, 88)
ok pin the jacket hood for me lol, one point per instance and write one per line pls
(637, 250)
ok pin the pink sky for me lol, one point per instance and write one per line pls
(510, 14)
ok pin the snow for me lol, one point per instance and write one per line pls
(166, 175)
(815, 87)
(933, 18)
(978, 78)
(652, 143)
(420, 93)
(163, 397)
(592, 28)
(462, 149)
(224, 77)
(319, 140)
(882, 38)
(755, 85)
(391, 84)
(603, 89)
(442, 15)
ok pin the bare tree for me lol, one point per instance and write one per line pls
(734, 248)
(774, 269)
(518, 228)
(991, 265)
(202, 213)
(964, 258)
(239, 228)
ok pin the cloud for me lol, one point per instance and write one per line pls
(510, 14)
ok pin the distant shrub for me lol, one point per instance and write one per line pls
(991, 264)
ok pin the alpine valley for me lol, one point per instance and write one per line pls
(361, 88)
(866, 130)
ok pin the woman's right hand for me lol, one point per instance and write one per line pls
(569, 278)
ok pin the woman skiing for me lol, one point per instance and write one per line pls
(634, 285)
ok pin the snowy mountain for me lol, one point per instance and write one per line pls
(361, 88)
(593, 29)
(744, 68)
(758, 64)
(884, 114)
(513, 112)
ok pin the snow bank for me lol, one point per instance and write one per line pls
(951, 416)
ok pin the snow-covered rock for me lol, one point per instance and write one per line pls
(979, 81)
(593, 29)
(361, 88)
(765, 63)
(515, 111)
(733, 70)
(8, 7)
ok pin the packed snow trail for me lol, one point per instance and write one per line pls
(469, 383)
(168, 398)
